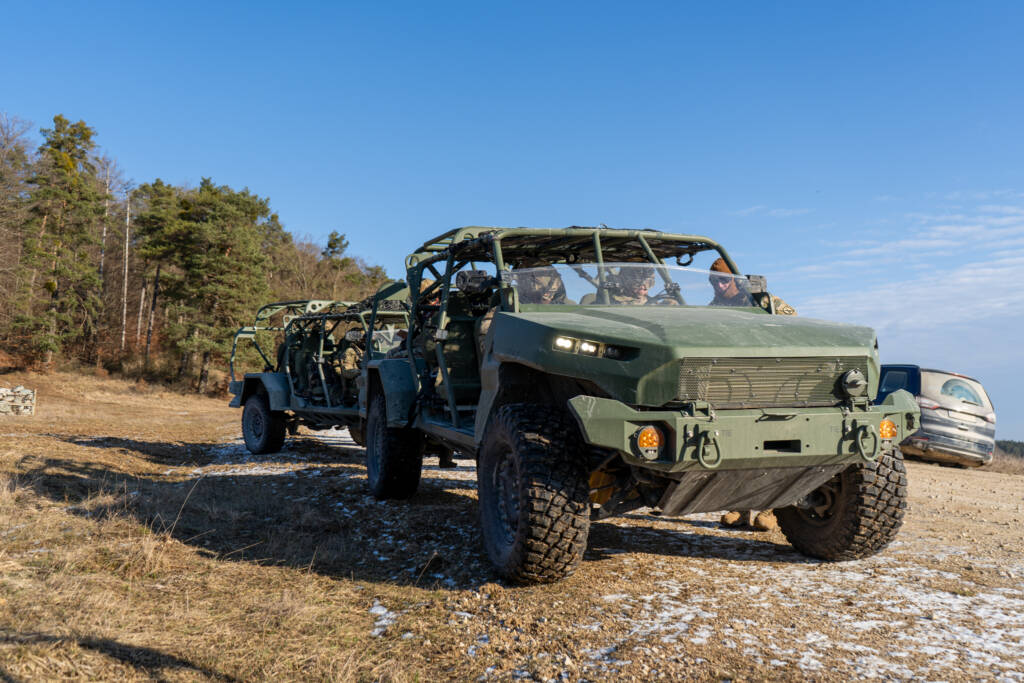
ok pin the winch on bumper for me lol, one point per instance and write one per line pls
(701, 438)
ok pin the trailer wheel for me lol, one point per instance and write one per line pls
(263, 429)
(534, 494)
(394, 455)
(854, 515)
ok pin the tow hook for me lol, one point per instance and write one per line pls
(860, 436)
(705, 442)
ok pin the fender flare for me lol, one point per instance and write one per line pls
(274, 384)
(392, 376)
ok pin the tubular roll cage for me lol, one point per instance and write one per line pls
(291, 309)
(462, 246)
(326, 324)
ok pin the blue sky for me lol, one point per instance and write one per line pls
(867, 158)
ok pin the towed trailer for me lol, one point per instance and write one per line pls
(312, 353)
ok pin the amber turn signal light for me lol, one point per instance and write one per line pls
(649, 437)
(887, 429)
(649, 442)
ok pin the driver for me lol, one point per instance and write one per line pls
(542, 286)
(632, 285)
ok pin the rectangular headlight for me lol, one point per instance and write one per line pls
(565, 344)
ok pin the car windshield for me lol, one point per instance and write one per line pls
(630, 284)
(952, 391)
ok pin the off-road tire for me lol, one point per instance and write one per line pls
(394, 455)
(532, 479)
(263, 429)
(358, 434)
(868, 501)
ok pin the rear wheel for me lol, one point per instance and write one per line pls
(358, 433)
(534, 494)
(854, 515)
(262, 428)
(394, 455)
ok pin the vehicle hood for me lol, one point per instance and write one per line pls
(662, 335)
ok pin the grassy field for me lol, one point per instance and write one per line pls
(139, 540)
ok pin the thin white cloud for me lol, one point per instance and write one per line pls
(968, 293)
(983, 195)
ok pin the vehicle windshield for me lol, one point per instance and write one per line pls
(630, 284)
(952, 391)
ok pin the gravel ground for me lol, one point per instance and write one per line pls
(945, 601)
(277, 555)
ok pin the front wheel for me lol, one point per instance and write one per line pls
(262, 428)
(854, 515)
(534, 494)
(394, 455)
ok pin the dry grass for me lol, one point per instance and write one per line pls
(134, 545)
(1005, 463)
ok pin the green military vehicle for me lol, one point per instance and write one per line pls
(314, 377)
(594, 371)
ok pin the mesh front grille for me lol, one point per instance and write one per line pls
(765, 382)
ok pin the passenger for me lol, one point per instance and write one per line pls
(729, 290)
(350, 361)
(542, 286)
(632, 285)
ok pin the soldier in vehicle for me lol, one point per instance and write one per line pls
(632, 284)
(542, 286)
(729, 290)
(350, 360)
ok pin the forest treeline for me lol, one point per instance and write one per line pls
(1015, 448)
(152, 279)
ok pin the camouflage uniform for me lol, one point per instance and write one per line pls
(781, 307)
(631, 285)
(542, 286)
(350, 360)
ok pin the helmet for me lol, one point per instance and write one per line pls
(541, 286)
(631, 277)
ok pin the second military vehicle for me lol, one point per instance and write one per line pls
(313, 377)
(593, 371)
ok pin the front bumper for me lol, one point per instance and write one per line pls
(751, 438)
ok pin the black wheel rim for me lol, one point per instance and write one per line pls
(506, 494)
(256, 424)
(826, 504)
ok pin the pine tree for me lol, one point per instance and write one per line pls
(60, 299)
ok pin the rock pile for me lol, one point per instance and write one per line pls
(17, 401)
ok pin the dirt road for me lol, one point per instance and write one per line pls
(139, 539)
